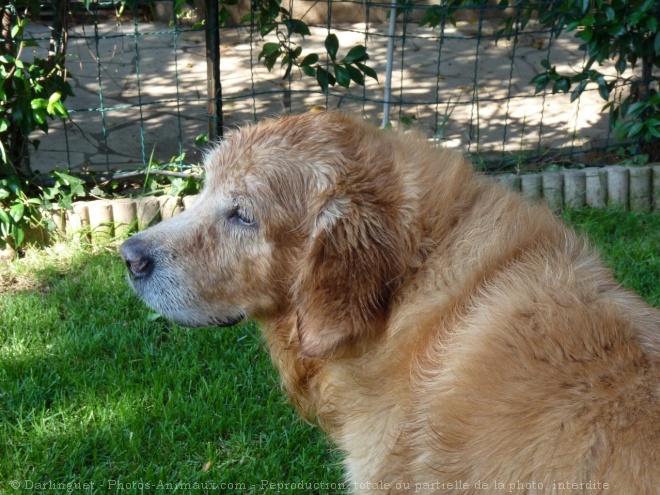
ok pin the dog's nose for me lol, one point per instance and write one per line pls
(136, 255)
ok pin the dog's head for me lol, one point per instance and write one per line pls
(304, 215)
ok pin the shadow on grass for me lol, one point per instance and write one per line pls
(96, 391)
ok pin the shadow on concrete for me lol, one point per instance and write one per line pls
(132, 100)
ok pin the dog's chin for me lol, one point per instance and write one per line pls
(186, 319)
(187, 316)
(229, 321)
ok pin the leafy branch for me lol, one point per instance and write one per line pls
(30, 93)
(624, 31)
(273, 19)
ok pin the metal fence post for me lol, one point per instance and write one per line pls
(388, 68)
(214, 86)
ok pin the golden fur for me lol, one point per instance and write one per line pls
(448, 336)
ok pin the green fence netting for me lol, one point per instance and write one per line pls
(148, 83)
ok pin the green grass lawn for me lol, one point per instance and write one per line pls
(629, 244)
(97, 391)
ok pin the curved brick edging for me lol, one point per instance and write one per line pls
(629, 188)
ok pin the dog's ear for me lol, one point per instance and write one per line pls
(357, 251)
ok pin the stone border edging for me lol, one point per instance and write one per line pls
(103, 219)
(616, 186)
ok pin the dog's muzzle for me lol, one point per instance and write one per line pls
(161, 291)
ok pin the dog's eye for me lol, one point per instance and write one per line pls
(241, 218)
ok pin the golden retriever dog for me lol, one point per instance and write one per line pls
(448, 336)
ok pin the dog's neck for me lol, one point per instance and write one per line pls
(300, 376)
(296, 373)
